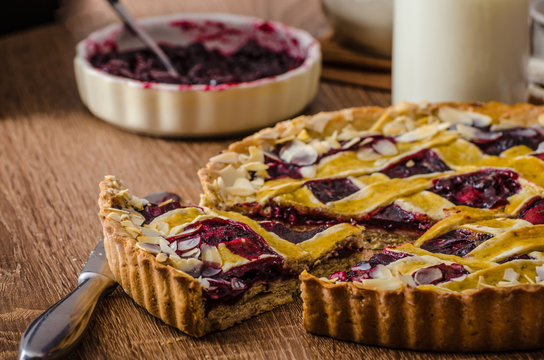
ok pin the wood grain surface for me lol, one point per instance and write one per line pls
(53, 153)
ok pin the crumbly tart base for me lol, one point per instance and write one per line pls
(173, 296)
(487, 319)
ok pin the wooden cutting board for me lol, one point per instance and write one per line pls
(351, 66)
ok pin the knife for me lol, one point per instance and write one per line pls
(59, 328)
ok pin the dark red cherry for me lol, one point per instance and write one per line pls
(533, 211)
(487, 188)
(457, 242)
(423, 162)
(327, 190)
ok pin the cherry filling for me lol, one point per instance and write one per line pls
(533, 211)
(486, 188)
(495, 142)
(366, 269)
(286, 214)
(423, 162)
(457, 242)
(279, 169)
(438, 273)
(291, 234)
(328, 190)
(238, 237)
(515, 257)
(389, 217)
(241, 240)
(160, 203)
(228, 287)
(393, 217)
(198, 65)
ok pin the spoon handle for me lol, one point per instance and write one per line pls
(143, 35)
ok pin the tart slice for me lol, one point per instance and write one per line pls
(195, 268)
(471, 283)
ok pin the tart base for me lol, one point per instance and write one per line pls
(173, 296)
(487, 319)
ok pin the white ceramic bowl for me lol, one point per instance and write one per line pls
(199, 110)
(367, 23)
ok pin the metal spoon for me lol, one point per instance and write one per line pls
(143, 35)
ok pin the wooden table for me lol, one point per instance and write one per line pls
(53, 153)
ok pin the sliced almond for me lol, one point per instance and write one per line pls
(511, 275)
(255, 155)
(150, 248)
(308, 171)
(227, 157)
(367, 154)
(423, 132)
(298, 153)
(351, 142)
(319, 146)
(427, 275)
(190, 266)
(472, 133)
(229, 174)
(455, 116)
(161, 257)
(348, 132)
(210, 254)
(381, 272)
(385, 147)
(241, 187)
(318, 122)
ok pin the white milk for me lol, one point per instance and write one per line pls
(460, 50)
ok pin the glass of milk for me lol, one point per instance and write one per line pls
(460, 50)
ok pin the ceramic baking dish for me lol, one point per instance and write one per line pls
(199, 110)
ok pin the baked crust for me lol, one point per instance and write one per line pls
(487, 319)
(172, 295)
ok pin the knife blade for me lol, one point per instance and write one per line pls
(59, 328)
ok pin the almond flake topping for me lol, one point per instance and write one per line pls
(227, 157)
(455, 116)
(423, 132)
(385, 147)
(511, 275)
(308, 171)
(162, 257)
(318, 122)
(472, 133)
(367, 154)
(241, 187)
(210, 254)
(298, 153)
(399, 125)
(229, 174)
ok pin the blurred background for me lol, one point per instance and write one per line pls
(83, 16)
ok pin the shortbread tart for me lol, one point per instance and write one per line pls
(407, 172)
(202, 270)
(317, 193)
